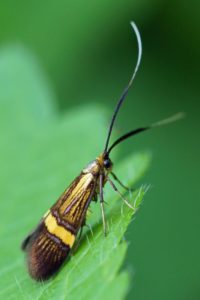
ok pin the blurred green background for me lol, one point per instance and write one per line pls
(87, 50)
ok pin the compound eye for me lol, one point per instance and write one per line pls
(107, 163)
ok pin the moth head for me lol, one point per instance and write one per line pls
(105, 162)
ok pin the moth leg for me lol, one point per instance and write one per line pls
(95, 197)
(27, 240)
(120, 183)
(102, 203)
(119, 193)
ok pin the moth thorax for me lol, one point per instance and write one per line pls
(93, 167)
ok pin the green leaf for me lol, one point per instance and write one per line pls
(41, 152)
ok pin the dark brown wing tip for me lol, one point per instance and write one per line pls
(45, 255)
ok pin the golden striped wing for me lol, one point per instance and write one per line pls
(71, 207)
(49, 244)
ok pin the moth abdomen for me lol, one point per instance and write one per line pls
(48, 248)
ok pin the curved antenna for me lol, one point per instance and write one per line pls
(169, 120)
(125, 92)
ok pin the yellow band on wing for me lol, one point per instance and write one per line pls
(63, 234)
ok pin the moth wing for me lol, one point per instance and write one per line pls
(45, 253)
(46, 249)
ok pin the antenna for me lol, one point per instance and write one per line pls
(125, 92)
(169, 120)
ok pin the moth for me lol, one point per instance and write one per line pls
(49, 244)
